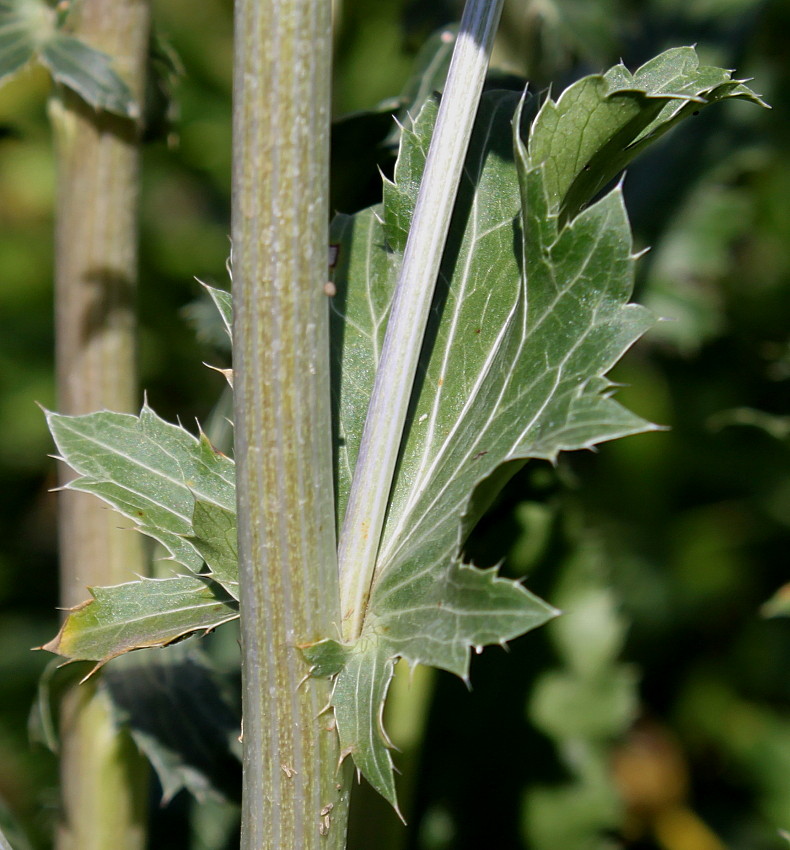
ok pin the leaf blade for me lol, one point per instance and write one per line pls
(148, 470)
(173, 704)
(214, 538)
(88, 72)
(600, 123)
(23, 24)
(138, 615)
(532, 310)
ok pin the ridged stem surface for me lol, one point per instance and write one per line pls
(103, 778)
(295, 797)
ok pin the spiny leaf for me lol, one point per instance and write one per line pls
(601, 122)
(531, 312)
(358, 699)
(495, 385)
(224, 303)
(149, 470)
(88, 72)
(140, 614)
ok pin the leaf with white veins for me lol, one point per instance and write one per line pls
(149, 470)
(531, 312)
(141, 614)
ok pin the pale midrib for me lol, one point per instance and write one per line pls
(397, 540)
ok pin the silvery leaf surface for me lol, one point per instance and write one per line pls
(141, 614)
(499, 380)
(531, 312)
(147, 469)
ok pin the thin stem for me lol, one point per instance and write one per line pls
(294, 798)
(381, 438)
(104, 779)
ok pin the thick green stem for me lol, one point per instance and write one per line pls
(103, 778)
(381, 438)
(295, 798)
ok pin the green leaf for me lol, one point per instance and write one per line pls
(54, 683)
(140, 614)
(358, 700)
(364, 274)
(215, 540)
(149, 470)
(223, 301)
(503, 379)
(530, 314)
(172, 703)
(24, 24)
(88, 72)
(29, 29)
(601, 122)
(326, 657)
(432, 619)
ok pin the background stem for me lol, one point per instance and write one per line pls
(103, 778)
(381, 438)
(294, 798)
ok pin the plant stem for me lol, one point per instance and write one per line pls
(103, 778)
(381, 438)
(294, 798)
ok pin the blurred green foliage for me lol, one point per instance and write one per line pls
(689, 528)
